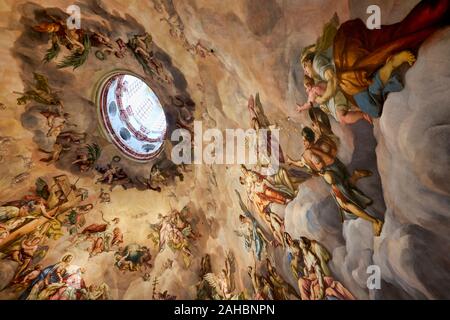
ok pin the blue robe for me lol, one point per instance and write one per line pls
(53, 278)
(372, 99)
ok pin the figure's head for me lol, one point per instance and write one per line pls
(308, 82)
(35, 240)
(242, 218)
(307, 63)
(67, 258)
(288, 239)
(24, 210)
(308, 136)
(40, 201)
(307, 57)
(88, 207)
(304, 243)
(320, 121)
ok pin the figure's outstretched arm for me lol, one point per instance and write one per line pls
(303, 107)
(45, 213)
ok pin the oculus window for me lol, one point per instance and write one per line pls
(132, 116)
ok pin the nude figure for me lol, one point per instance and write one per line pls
(320, 157)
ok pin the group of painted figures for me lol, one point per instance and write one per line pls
(348, 74)
(58, 210)
(26, 228)
(54, 211)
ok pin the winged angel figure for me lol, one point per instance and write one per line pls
(223, 284)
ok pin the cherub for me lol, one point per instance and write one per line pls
(346, 115)
(141, 45)
(87, 158)
(104, 197)
(100, 40)
(40, 92)
(60, 33)
(155, 180)
(168, 264)
(117, 239)
(112, 175)
(77, 41)
(313, 91)
(122, 49)
(174, 231)
(27, 161)
(100, 236)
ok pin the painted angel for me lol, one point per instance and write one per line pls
(259, 121)
(223, 284)
(254, 237)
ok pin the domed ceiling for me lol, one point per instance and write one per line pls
(128, 131)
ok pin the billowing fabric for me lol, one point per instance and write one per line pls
(359, 52)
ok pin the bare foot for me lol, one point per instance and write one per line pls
(358, 174)
(398, 59)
